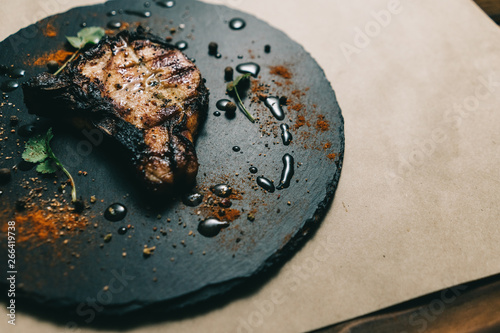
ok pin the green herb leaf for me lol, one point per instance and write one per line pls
(49, 136)
(233, 87)
(47, 166)
(36, 148)
(76, 42)
(90, 35)
(234, 84)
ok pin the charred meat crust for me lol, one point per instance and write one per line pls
(141, 92)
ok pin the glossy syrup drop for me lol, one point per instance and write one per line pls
(221, 104)
(181, 45)
(217, 113)
(166, 4)
(145, 13)
(114, 24)
(266, 184)
(236, 149)
(211, 227)
(83, 24)
(249, 67)
(5, 176)
(9, 85)
(253, 170)
(27, 131)
(111, 13)
(15, 72)
(273, 103)
(285, 134)
(192, 199)
(222, 190)
(287, 173)
(122, 230)
(237, 24)
(115, 212)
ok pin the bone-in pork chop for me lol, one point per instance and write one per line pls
(139, 90)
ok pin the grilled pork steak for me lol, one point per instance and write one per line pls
(140, 91)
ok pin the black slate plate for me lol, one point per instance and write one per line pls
(184, 269)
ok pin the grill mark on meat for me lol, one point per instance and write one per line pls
(140, 91)
(180, 77)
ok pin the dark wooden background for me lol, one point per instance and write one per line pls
(491, 7)
(472, 307)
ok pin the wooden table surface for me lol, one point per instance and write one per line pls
(471, 307)
(491, 7)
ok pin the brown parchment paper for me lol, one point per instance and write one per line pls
(417, 208)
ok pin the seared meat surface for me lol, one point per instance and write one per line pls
(140, 91)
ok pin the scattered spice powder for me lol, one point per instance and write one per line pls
(331, 156)
(297, 93)
(260, 91)
(298, 107)
(327, 145)
(59, 56)
(50, 30)
(39, 225)
(301, 121)
(322, 124)
(148, 251)
(227, 214)
(212, 207)
(281, 71)
(112, 32)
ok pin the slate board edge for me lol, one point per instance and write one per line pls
(276, 261)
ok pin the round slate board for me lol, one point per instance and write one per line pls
(185, 267)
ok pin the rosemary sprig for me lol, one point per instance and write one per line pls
(233, 87)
